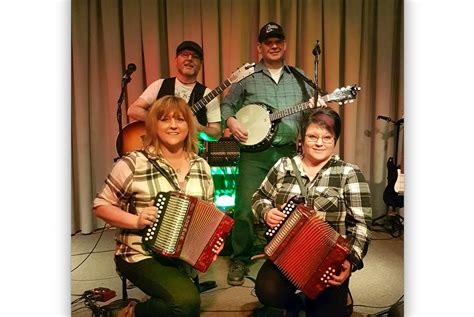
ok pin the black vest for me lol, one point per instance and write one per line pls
(167, 89)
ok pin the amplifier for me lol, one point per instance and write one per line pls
(224, 152)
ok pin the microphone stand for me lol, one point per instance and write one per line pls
(316, 53)
(125, 80)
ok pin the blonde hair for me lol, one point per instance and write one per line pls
(161, 108)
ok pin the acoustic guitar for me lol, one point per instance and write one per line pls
(261, 122)
(133, 134)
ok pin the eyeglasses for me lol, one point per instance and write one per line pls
(187, 54)
(327, 139)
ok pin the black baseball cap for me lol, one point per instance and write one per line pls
(190, 45)
(271, 29)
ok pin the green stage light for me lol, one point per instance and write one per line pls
(225, 201)
(204, 136)
(224, 178)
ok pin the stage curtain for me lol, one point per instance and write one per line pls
(361, 43)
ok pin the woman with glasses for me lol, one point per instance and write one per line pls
(338, 193)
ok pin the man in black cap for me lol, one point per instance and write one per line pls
(275, 84)
(188, 61)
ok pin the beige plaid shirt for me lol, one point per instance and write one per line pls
(134, 182)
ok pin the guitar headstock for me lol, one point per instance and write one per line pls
(244, 71)
(344, 95)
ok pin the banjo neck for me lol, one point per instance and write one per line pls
(294, 109)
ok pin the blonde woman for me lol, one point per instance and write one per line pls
(126, 202)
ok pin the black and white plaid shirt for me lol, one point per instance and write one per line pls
(338, 193)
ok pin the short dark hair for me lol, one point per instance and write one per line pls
(319, 116)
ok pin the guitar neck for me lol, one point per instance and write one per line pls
(210, 96)
(296, 108)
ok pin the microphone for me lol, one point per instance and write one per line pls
(130, 69)
(316, 49)
(384, 118)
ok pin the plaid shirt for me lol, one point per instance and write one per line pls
(338, 193)
(260, 88)
(134, 182)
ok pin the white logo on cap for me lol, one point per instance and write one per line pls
(271, 27)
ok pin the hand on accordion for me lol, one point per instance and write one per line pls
(273, 217)
(346, 270)
(147, 216)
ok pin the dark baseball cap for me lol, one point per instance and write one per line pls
(271, 29)
(190, 45)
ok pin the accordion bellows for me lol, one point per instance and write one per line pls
(307, 250)
(187, 228)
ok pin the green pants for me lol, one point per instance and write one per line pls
(172, 291)
(253, 167)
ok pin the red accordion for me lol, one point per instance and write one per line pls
(187, 228)
(307, 250)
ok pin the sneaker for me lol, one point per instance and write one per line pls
(236, 274)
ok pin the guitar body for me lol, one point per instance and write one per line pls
(133, 136)
(390, 196)
(400, 183)
(255, 118)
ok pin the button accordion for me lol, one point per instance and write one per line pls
(187, 228)
(307, 250)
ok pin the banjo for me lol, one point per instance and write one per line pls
(261, 122)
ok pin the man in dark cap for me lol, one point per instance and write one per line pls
(275, 84)
(188, 61)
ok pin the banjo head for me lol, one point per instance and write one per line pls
(255, 119)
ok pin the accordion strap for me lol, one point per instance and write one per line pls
(304, 192)
(161, 170)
